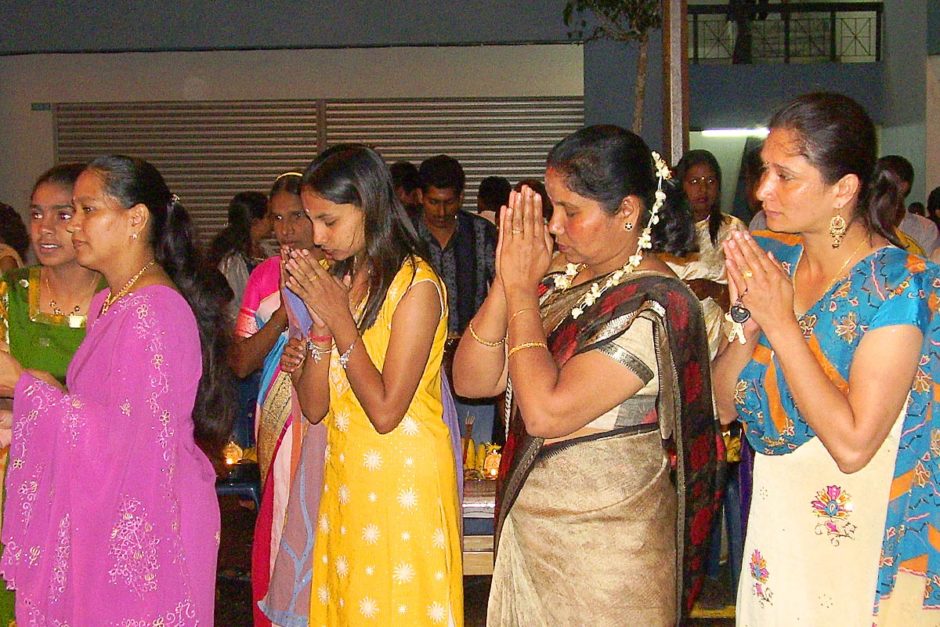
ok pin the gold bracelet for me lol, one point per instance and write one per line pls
(519, 312)
(522, 347)
(480, 340)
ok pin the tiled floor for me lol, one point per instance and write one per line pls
(233, 594)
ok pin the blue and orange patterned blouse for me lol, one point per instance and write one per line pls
(888, 287)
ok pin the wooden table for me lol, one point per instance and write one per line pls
(479, 502)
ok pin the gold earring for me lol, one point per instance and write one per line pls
(837, 227)
(628, 226)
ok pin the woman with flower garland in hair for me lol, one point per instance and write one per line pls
(828, 369)
(591, 526)
(111, 513)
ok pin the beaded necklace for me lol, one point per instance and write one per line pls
(53, 303)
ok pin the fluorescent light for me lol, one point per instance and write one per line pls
(736, 132)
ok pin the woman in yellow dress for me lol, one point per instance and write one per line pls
(387, 543)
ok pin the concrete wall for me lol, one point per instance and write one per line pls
(129, 25)
(720, 95)
(905, 53)
(933, 27)
(26, 145)
(932, 124)
(33, 26)
(221, 49)
(739, 96)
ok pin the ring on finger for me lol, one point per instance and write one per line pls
(517, 231)
(746, 273)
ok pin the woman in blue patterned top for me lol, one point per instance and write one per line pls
(831, 367)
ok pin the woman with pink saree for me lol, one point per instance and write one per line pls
(262, 330)
(111, 513)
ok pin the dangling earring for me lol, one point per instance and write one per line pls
(837, 227)
(628, 226)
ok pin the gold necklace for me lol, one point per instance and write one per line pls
(54, 306)
(113, 298)
(838, 273)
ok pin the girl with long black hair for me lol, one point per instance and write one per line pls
(388, 539)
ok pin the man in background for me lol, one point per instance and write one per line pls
(493, 194)
(918, 228)
(407, 187)
(462, 248)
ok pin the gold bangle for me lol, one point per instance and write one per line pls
(519, 312)
(522, 347)
(480, 340)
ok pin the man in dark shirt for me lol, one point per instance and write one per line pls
(462, 247)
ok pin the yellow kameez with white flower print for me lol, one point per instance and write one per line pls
(388, 541)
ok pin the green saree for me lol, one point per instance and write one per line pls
(39, 341)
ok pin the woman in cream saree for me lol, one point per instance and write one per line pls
(608, 477)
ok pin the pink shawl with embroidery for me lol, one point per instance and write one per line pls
(111, 515)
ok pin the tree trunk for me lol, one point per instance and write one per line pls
(639, 90)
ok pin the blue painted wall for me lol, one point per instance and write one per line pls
(933, 27)
(730, 96)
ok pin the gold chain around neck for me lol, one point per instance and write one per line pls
(841, 269)
(113, 298)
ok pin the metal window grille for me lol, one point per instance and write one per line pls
(208, 151)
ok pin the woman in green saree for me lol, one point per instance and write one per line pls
(608, 478)
(43, 307)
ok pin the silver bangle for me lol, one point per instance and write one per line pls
(344, 358)
(318, 352)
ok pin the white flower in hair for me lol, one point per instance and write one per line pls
(662, 169)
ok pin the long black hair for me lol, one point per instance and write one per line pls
(704, 157)
(355, 174)
(134, 181)
(607, 163)
(837, 137)
(244, 210)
